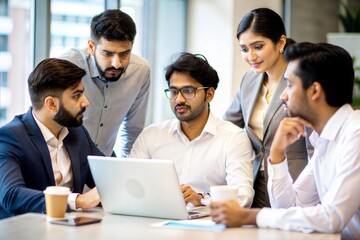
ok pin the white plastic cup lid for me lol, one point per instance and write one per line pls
(57, 190)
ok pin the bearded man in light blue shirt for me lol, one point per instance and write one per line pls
(116, 81)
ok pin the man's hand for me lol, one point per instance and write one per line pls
(88, 200)
(232, 214)
(190, 195)
(289, 131)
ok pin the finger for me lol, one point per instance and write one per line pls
(298, 123)
(187, 200)
(185, 195)
(215, 205)
(298, 120)
(215, 217)
(303, 121)
(293, 127)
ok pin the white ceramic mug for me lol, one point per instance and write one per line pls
(223, 193)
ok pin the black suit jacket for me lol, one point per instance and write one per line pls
(25, 164)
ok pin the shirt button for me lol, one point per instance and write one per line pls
(105, 106)
(101, 124)
(107, 86)
(96, 144)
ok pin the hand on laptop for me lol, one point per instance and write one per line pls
(88, 200)
(190, 195)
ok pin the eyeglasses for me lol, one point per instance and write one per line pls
(186, 92)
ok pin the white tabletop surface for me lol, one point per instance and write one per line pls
(34, 226)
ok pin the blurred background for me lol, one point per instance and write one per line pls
(31, 30)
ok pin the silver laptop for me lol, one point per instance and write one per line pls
(141, 187)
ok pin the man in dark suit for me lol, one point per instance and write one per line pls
(48, 145)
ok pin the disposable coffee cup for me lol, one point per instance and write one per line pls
(223, 193)
(56, 202)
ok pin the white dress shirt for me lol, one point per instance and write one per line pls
(222, 154)
(60, 160)
(326, 196)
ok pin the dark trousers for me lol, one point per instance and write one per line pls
(261, 198)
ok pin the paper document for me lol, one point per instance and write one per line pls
(197, 224)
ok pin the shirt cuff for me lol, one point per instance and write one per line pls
(278, 170)
(267, 217)
(72, 200)
(205, 199)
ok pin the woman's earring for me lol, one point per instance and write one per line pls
(281, 50)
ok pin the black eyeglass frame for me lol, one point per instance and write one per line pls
(168, 91)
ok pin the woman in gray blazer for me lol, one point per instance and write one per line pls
(257, 106)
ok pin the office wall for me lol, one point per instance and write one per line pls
(312, 19)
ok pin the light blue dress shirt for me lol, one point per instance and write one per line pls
(114, 106)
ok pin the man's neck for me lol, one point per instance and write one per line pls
(192, 129)
(323, 117)
(47, 120)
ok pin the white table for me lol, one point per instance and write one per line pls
(34, 226)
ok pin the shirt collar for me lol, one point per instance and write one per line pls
(210, 126)
(94, 72)
(333, 125)
(47, 134)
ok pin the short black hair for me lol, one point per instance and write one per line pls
(113, 25)
(196, 66)
(327, 64)
(51, 77)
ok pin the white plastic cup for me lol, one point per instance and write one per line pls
(56, 202)
(223, 193)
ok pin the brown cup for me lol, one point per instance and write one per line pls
(56, 202)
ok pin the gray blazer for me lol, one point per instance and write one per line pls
(240, 112)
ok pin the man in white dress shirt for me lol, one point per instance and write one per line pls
(325, 197)
(206, 150)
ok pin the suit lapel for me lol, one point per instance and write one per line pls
(274, 106)
(37, 138)
(255, 88)
(74, 158)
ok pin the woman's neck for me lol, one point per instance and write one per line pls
(274, 75)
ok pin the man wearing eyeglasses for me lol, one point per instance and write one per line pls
(206, 150)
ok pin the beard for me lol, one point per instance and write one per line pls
(64, 117)
(302, 111)
(103, 73)
(194, 112)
